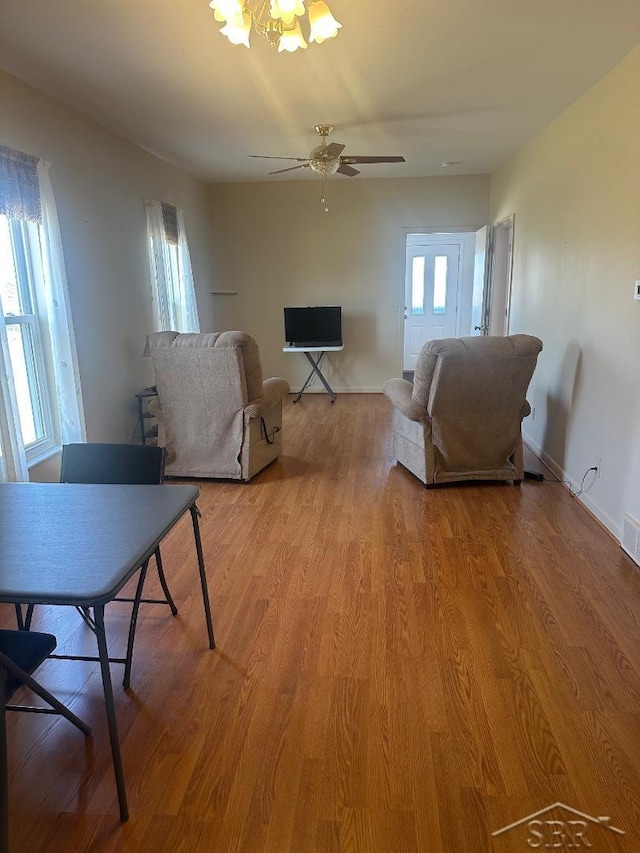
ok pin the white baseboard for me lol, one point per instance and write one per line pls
(365, 390)
(568, 482)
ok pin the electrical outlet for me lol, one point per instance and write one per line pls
(598, 464)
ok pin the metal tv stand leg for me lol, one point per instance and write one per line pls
(315, 370)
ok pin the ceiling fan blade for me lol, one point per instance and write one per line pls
(270, 157)
(334, 149)
(290, 169)
(344, 169)
(358, 159)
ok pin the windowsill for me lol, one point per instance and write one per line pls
(43, 455)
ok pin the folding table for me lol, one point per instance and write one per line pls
(76, 544)
(315, 367)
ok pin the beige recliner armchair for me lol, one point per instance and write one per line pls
(216, 416)
(461, 419)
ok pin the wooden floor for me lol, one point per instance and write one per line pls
(398, 669)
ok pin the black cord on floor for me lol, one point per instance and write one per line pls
(581, 489)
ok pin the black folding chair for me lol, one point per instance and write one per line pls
(21, 653)
(117, 464)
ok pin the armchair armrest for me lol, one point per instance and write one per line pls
(399, 392)
(274, 390)
(525, 411)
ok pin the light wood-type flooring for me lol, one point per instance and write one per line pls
(398, 669)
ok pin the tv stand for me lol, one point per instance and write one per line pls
(315, 367)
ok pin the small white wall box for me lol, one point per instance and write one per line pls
(636, 289)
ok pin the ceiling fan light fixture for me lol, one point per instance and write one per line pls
(327, 159)
(321, 22)
(324, 167)
(277, 20)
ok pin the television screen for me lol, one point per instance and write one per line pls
(313, 327)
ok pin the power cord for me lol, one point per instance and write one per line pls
(270, 438)
(581, 489)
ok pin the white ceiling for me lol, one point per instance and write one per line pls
(449, 80)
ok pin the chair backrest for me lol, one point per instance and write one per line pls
(122, 464)
(204, 383)
(27, 650)
(180, 355)
(472, 374)
(474, 390)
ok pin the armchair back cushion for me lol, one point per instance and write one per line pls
(472, 393)
(205, 383)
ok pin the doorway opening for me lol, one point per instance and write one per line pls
(500, 272)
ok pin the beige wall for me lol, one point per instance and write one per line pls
(100, 182)
(278, 247)
(575, 192)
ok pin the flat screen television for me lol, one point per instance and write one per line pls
(313, 327)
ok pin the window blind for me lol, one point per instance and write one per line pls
(19, 188)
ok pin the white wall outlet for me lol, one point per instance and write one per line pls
(636, 289)
(599, 467)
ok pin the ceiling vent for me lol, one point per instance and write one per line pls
(631, 538)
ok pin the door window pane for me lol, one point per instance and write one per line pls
(417, 285)
(440, 284)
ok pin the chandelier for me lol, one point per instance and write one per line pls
(278, 20)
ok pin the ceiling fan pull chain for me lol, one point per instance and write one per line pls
(326, 206)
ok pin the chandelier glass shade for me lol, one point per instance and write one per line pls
(278, 20)
(323, 162)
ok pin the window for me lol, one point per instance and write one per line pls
(21, 272)
(39, 388)
(417, 285)
(173, 289)
(440, 284)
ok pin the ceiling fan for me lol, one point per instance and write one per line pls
(327, 158)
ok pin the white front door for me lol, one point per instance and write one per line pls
(432, 278)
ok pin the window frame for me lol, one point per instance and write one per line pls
(26, 247)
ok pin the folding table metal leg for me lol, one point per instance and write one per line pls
(101, 636)
(126, 681)
(4, 776)
(163, 582)
(195, 512)
(315, 369)
(19, 617)
(309, 378)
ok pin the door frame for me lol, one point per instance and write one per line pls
(500, 251)
(427, 230)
